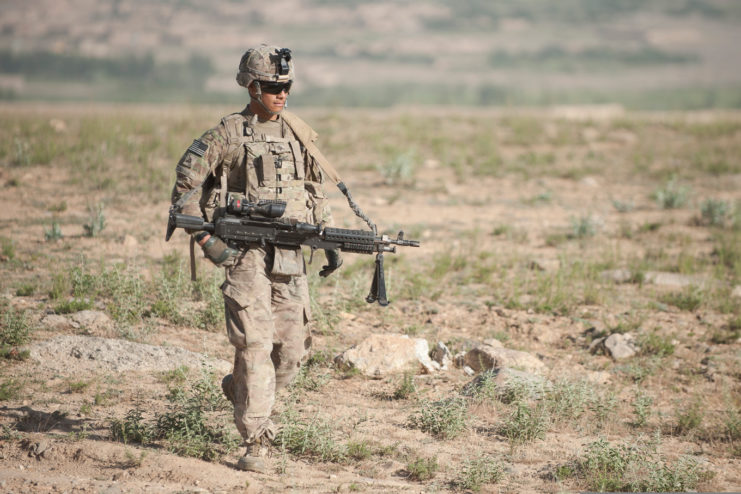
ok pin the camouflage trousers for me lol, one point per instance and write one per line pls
(267, 317)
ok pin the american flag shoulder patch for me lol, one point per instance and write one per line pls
(198, 148)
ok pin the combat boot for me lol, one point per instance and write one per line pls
(227, 386)
(253, 459)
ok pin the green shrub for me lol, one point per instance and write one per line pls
(479, 471)
(525, 424)
(641, 408)
(655, 344)
(132, 429)
(715, 212)
(689, 299)
(308, 438)
(10, 389)
(672, 195)
(445, 419)
(422, 468)
(189, 427)
(689, 417)
(73, 305)
(637, 468)
(406, 387)
(15, 331)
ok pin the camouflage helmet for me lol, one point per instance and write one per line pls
(265, 63)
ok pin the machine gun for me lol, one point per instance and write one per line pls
(261, 224)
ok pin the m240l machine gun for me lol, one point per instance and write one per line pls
(261, 224)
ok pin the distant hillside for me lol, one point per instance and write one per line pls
(658, 54)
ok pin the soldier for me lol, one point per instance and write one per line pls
(257, 154)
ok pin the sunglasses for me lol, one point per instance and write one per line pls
(275, 87)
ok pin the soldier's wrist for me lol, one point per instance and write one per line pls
(202, 237)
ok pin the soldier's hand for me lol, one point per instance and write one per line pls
(334, 261)
(216, 250)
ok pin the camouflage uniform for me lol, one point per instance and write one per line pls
(266, 292)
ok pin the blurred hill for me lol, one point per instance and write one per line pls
(664, 54)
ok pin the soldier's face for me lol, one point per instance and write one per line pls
(274, 101)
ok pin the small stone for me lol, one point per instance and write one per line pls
(736, 291)
(130, 242)
(441, 355)
(548, 265)
(490, 357)
(617, 275)
(468, 371)
(620, 346)
(57, 322)
(91, 319)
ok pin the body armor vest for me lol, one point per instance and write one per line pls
(259, 166)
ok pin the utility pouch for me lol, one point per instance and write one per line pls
(265, 168)
(288, 261)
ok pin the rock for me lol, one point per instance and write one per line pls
(549, 265)
(736, 291)
(494, 342)
(383, 354)
(597, 344)
(56, 322)
(620, 346)
(73, 354)
(441, 355)
(468, 371)
(672, 280)
(617, 275)
(486, 357)
(590, 182)
(598, 377)
(59, 126)
(130, 242)
(510, 384)
(91, 319)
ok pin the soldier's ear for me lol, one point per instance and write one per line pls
(251, 89)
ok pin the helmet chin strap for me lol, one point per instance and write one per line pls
(258, 98)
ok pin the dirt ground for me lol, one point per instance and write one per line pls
(520, 251)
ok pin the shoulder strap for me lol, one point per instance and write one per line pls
(307, 136)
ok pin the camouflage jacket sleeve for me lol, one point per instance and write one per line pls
(314, 184)
(203, 156)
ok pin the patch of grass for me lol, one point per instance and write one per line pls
(194, 424)
(635, 468)
(73, 305)
(567, 400)
(715, 212)
(672, 195)
(25, 290)
(10, 389)
(584, 226)
(359, 450)
(422, 468)
(689, 417)
(641, 408)
(96, 221)
(53, 233)
(479, 471)
(526, 423)
(311, 438)
(78, 386)
(7, 248)
(309, 378)
(689, 299)
(655, 344)
(132, 428)
(445, 419)
(400, 169)
(15, 331)
(406, 387)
